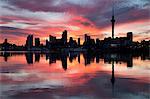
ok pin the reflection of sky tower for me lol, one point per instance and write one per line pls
(113, 21)
(113, 75)
(113, 78)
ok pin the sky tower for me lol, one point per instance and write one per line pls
(113, 21)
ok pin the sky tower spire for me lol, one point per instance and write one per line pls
(113, 20)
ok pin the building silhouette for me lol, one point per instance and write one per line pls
(72, 43)
(55, 43)
(29, 42)
(29, 58)
(78, 42)
(64, 36)
(52, 38)
(37, 57)
(37, 42)
(6, 45)
(130, 36)
(64, 61)
(109, 44)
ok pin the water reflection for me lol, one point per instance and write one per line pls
(113, 74)
(29, 58)
(32, 57)
(74, 75)
(37, 57)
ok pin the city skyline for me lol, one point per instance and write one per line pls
(19, 19)
(74, 49)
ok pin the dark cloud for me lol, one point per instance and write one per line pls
(8, 28)
(123, 14)
(12, 31)
(133, 14)
(99, 13)
(17, 19)
(33, 5)
(86, 23)
(3, 19)
(46, 5)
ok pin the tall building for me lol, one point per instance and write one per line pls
(78, 41)
(85, 37)
(5, 41)
(29, 41)
(47, 43)
(72, 43)
(37, 42)
(52, 38)
(64, 36)
(88, 38)
(97, 42)
(130, 36)
(5, 45)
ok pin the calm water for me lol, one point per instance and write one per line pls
(25, 75)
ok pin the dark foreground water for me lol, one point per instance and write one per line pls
(25, 75)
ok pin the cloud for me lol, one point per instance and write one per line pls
(145, 32)
(86, 23)
(26, 13)
(44, 17)
(15, 35)
(97, 11)
(50, 5)
(12, 31)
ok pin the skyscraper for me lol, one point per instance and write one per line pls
(64, 36)
(29, 41)
(52, 38)
(130, 36)
(37, 42)
(85, 37)
(47, 43)
(5, 41)
(78, 41)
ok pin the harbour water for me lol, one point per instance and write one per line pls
(26, 75)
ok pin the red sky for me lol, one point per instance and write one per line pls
(42, 18)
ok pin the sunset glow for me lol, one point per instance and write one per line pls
(19, 18)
